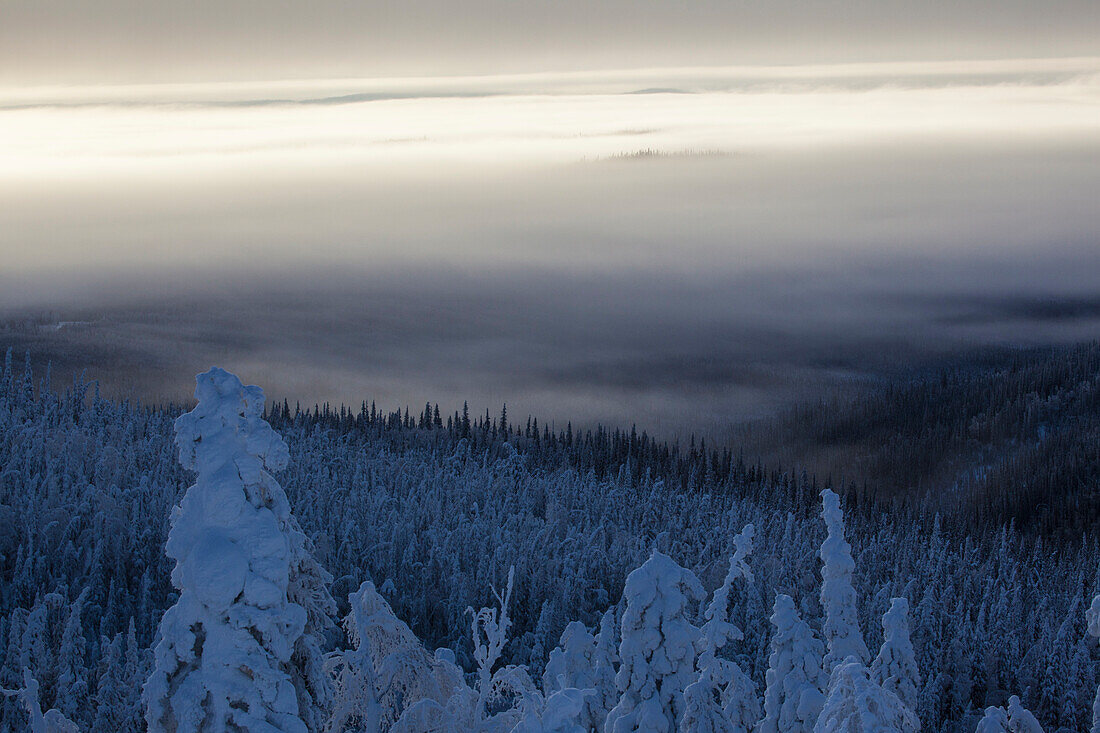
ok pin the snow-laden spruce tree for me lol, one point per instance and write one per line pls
(605, 664)
(1093, 618)
(658, 647)
(240, 648)
(386, 671)
(716, 630)
(52, 721)
(741, 703)
(72, 684)
(703, 711)
(572, 664)
(738, 693)
(856, 704)
(1016, 719)
(838, 597)
(559, 712)
(895, 667)
(795, 681)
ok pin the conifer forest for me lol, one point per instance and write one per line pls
(238, 563)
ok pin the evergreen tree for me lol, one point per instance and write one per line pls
(741, 708)
(573, 664)
(387, 670)
(895, 667)
(796, 683)
(658, 647)
(1016, 719)
(856, 703)
(1093, 618)
(838, 597)
(225, 658)
(110, 698)
(72, 682)
(703, 711)
(52, 721)
(605, 662)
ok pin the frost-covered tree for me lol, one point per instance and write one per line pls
(796, 683)
(87, 483)
(995, 720)
(857, 704)
(489, 628)
(1021, 718)
(1093, 618)
(226, 659)
(355, 700)
(111, 689)
(895, 667)
(658, 647)
(52, 721)
(72, 681)
(703, 711)
(838, 596)
(605, 663)
(573, 664)
(386, 671)
(1016, 719)
(135, 671)
(716, 630)
(740, 705)
(559, 712)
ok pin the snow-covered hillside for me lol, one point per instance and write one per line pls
(324, 576)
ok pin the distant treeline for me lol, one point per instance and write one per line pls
(1006, 437)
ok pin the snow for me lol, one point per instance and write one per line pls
(838, 597)
(658, 647)
(795, 680)
(248, 643)
(224, 658)
(52, 721)
(895, 667)
(739, 705)
(559, 713)
(856, 704)
(1016, 719)
(703, 711)
(1093, 619)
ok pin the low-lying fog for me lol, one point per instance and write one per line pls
(684, 258)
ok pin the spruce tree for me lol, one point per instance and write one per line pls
(856, 703)
(838, 597)
(658, 647)
(895, 667)
(228, 656)
(796, 683)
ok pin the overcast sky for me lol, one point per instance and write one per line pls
(67, 41)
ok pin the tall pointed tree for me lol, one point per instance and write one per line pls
(895, 667)
(796, 683)
(1093, 618)
(230, 649)
(838, 596)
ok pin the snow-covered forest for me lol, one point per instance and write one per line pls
(255, 567)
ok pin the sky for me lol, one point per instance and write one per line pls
(681, 215)
(114, 41)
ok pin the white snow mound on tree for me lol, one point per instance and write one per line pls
(226, 658)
